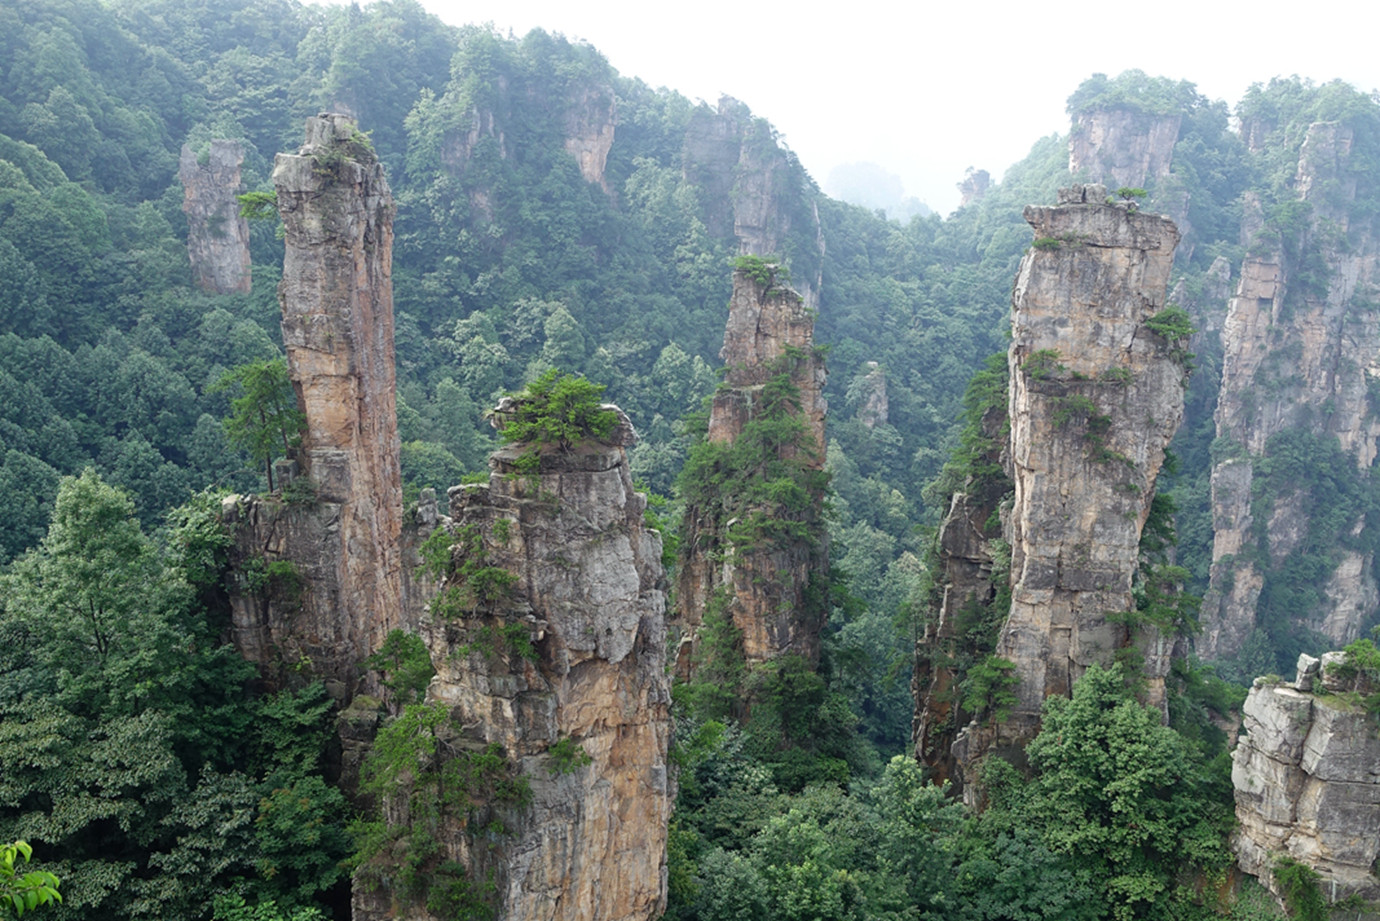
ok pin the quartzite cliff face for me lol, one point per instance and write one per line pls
(752, 191)
(572, 655)
(1307, 787)
(764, 583)
(1095, 396)
(337, 303)
(1301, 352)
(217, 236)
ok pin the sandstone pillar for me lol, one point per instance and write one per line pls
(763, 577)
(217, 237)
(1095, 396)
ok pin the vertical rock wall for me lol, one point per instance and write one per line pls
(1301, 347)
(972, 570)
(1119, 147)
(573, 654)
(337, 303)
(217, 237)
(1306, 780)
(1095, 396)
(752, 190)
(770, 331)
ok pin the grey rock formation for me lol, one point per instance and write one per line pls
(217, 237)
(770, 330)
(1121, 147)
(1307, 779)
(573, 654)
(1297, 356)
(752, 189)
(337, 303)
(1095, 397)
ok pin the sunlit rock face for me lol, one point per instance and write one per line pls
(1307, 778)
(217, 236)
(1095, 397)
(572, 656)
(1301, 349)
(342, 527)
(766, 587)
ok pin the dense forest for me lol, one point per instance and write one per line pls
(138, 755)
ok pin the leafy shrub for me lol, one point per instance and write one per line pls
(558, 409)
(567, 756)
(1172, 323)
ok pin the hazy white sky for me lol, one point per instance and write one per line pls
(926, 89)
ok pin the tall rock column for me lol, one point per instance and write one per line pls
(343, 535)
(751, 551)
(1096, 393)
(1301, 355)
(549, 639)
(217, 236)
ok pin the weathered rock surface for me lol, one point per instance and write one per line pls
(217, 237)
(589, 130)
(974, 186)
(589, 598)
(337, 303)
(970, 577)
(770, 331)
(873, 406)
(1121, 147)
(1301, 346)
(1307, 779)
(1095, 397)
(751, 191)
(587, 115)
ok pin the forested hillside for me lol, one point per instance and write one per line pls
(554, 214)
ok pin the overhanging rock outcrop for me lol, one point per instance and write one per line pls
(339, 529)
(1096, 393)
(549, 639)
(1307, 779)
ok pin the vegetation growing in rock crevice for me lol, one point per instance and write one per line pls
(769, 477)
(1314, 472)
(434, 783)
(982, 681)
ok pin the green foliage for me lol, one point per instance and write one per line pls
(989, 689)
(461, 557)
(719, 666)
(1047, 244)
(232, 907)
(765, 271)
(1134, 91)
(1128, 193)
(1172, 323)
(557, 410)
(1043, 364)
(265, 414)
(258, 206)
(567, 756)
(768, 477)
(406, 665)
(434, 780)
(1302, 894)
(1123, 791)
(21, 892)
